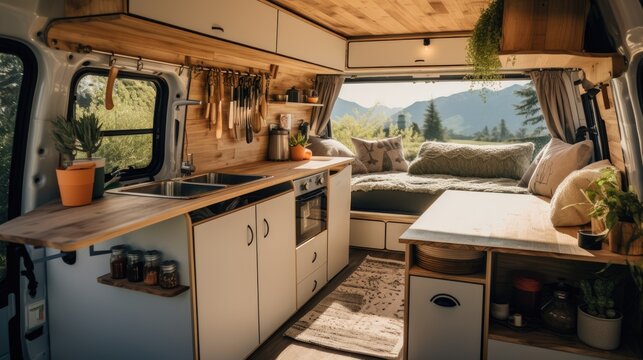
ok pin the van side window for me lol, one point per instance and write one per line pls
(18, 74)
(133, 131)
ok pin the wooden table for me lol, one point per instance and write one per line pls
(515, 228)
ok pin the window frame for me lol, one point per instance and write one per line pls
(157, 131)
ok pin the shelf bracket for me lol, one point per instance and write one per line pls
(68, 257)
(93, 252)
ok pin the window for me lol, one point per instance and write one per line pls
(438, 110)
(18, 73)
(133, 131)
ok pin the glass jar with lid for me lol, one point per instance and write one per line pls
(118, 261)
(135, 266)
(152, 267)
(169, 277)
(558, 314)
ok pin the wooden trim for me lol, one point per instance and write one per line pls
(139, 286)
(286, 103)
(478, 278)
(440, 35)
(89, 7)
(385, 217)
(192, 265)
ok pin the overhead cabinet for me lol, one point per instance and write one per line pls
(409, 52)
(247, 22)
(301, 40)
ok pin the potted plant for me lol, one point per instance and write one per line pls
(298, 149)
(89, 138)
(620, 211)
(599, 324)
(484, 45)
(75, 181)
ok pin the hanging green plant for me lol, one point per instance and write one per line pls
(484, 45)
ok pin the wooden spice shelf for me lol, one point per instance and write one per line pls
(629, 348)
(478, 278)
(287, 103)
(154, 290)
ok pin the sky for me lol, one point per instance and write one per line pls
(403, 94)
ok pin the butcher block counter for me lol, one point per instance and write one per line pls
(73, 228)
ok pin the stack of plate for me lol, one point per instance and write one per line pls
(449, 261)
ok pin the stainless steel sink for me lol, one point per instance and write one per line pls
(215, 178)
(169, 189)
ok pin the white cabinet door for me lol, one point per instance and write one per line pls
(412, 52)
(367, 233)
(393, 232)
(339, 214)
(276, 263)
(301, 40)
(248, 22)
(445, 319)
(225, 251)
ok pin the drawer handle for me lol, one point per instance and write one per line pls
(252, 235)
(445, 300)
(314, 286)
(314, 257)
(267, 228)
(217, 28)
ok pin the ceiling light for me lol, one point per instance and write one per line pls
(427, 42)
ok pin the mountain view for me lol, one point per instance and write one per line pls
(463, 113)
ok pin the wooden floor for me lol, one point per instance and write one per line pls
(281, 347)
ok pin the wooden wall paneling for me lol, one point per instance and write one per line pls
(211, 153)
(612, 128)
(92, 7)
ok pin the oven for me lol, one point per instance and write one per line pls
(310, 206)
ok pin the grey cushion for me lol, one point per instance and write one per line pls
(331, 147)
(485, 161)
(524, 180)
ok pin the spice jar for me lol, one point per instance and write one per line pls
(558, 314)
(526, 295)
(169, 276)
(151, 267)
(117, 261)
(135, 266)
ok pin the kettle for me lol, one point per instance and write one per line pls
(278, 149)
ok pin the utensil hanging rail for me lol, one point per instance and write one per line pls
(180, 67)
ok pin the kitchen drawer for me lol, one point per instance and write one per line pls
(247, 22)
(393, 232)
(368, 233)
(311, 285)
(311, 254)
(500, 350)
(445, 319)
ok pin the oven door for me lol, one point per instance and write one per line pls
(311, 214)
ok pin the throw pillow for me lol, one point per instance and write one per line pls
(524, 180)
(381, 155)
(568, 205)
(558, 161)
(331, 147)
(486, 161)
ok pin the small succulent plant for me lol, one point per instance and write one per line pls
(599, 297)
(298, 139)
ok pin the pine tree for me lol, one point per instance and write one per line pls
(503, 131)
(432, 123)
(529, 106)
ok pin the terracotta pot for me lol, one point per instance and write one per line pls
(297, 153)
(99, 175)
(621, 239)
(76, 184)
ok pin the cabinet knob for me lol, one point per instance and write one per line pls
(314, 286)
(314, 257)
(217, 28)
(267, 227)
(252, 235)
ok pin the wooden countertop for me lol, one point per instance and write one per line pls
(512, 223)
(72, 228)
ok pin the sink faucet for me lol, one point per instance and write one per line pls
(187, 167)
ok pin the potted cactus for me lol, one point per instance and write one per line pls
(89, 138)
(599, 324)
(298, 149)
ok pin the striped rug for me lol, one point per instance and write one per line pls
(363, 315)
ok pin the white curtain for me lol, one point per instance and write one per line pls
(560, 103)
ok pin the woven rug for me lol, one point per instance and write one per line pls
(363, 315)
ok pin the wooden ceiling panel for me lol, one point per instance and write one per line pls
(353, 18)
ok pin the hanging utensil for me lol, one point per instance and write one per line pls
(219, 130)
(248, 113)
(213, 108)
(256, 116)
(232, 103)
(208, 94)
(264, 101)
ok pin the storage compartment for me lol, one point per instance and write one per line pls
(311, 255)
(499, 350)
(393, 232)
(310, 285)
(247, 22)
(368, 233)
(445, 319)
(339, 210)
(411, 52)
(301, 40)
